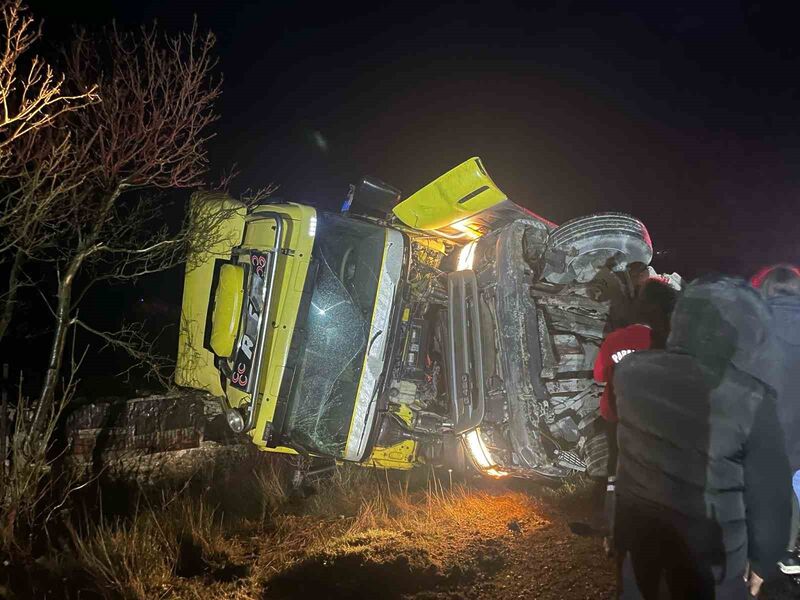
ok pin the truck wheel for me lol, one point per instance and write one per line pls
(589, 243)
(596, 456)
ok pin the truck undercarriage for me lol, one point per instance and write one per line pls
(499, 354)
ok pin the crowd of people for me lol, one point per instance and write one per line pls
(702, 414)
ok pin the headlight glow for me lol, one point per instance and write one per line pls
(496, 473)
(312, 226)
(481, 456)
(466, 256)
(478, 449)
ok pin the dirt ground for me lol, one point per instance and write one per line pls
(520, 546)
(509, 544)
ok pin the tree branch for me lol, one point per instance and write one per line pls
(131, 340)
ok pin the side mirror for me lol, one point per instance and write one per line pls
(373, 197)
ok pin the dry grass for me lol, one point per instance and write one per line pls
(186, 546)
(140, 557)
(133, 560)
(29, 489)
(403, 540)
(272, 488)
(459, 511)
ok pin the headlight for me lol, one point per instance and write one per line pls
(478, 450)
(480, 454)
(235, 420)
(466, 256)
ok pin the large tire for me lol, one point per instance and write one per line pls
(589, 243)
(595, 455)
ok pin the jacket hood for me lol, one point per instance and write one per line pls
(721, 321)
(786, 318)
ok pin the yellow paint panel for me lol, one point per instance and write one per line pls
(453, 197)
(279, 450)
(406, 414)
(290, 276)
(227, 313)
(275, 380)
(400, 456)
(195, 366)
(434, 244)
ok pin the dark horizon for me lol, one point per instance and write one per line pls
(683, 115)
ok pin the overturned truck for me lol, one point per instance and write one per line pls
(401, 332)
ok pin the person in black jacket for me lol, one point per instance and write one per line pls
(781, 287)
(702, 480)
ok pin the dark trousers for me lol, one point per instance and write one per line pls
(613, 447)
(611, 468)
(794, 525)
(657, 560)
(670, 585)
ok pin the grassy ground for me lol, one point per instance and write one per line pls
(243, 533)
(239, 531)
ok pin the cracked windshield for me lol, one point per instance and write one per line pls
(349, 254)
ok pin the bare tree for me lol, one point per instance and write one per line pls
(149, 133)
(35, 164)
(32, 96)
(80, 190)
(32, 208)
(27, 477)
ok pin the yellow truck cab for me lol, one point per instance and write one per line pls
(397, 330)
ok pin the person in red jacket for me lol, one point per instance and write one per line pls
(649, 329)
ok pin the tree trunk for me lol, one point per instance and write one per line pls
(63, 312)
(4, 386)
(10, 301)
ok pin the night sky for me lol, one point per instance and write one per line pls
(684, 114)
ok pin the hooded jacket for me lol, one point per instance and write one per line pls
(786, 326)
(699, 434)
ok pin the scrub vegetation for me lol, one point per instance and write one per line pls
(239, 528)
(247, 532)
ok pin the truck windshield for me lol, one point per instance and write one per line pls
(328, 368)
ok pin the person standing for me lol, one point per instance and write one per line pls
(703, 478)
(780, 285)
(649, 329)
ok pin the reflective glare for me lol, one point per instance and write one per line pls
(496, 473)
(466, 257)
(465, 229)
